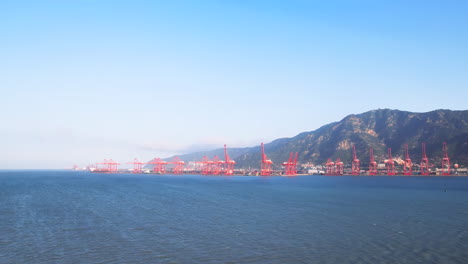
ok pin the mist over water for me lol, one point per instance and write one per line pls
(80, 217)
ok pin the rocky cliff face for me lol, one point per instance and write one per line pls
(377, 129)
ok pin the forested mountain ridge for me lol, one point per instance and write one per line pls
(378, 129)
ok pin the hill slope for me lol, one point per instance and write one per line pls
(377, 129)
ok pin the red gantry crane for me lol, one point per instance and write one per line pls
(407, 165)
(209, 166)
(372, 163)
(102, 169)
(424, 166)
(228, 163)
(204, 165)
(137, 165)
(445, 160)
(216, 165)
(290, 166)
(330, 167)
(287, 164)
(339, 167)
(110, 166)
(159, 166)
(114, 165)
(266, 163)
(390, 163)
(178, 165)
(355, 165)
(294, 164)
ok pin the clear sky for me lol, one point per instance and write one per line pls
(86, 80)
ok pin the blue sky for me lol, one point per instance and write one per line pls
(86, 80)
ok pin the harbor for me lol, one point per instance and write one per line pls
(226, 166)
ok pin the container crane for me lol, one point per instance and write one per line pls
(228, 163)
(110, 166)
(294, 165)
(290, 166)
(178, 165)
(330, 167)
(137, 165)
(355, 164)
(266, 163)
(159, 166)
(424, 166)
(390, 163)
(216, 165)
(339, 167)
(407, 165)
(205, 167)
(113, 165)
(372, 163)
(105, 168)
(445, 160)
(287, 164)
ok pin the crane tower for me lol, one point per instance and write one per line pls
(445, 160)
(266, 163)
(355, 164)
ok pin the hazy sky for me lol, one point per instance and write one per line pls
(86, 80)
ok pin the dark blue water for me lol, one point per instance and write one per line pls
(78, 217)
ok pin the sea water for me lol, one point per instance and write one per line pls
(82, 217)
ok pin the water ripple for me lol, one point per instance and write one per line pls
(69, 217)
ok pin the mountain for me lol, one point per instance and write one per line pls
(377, 129)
